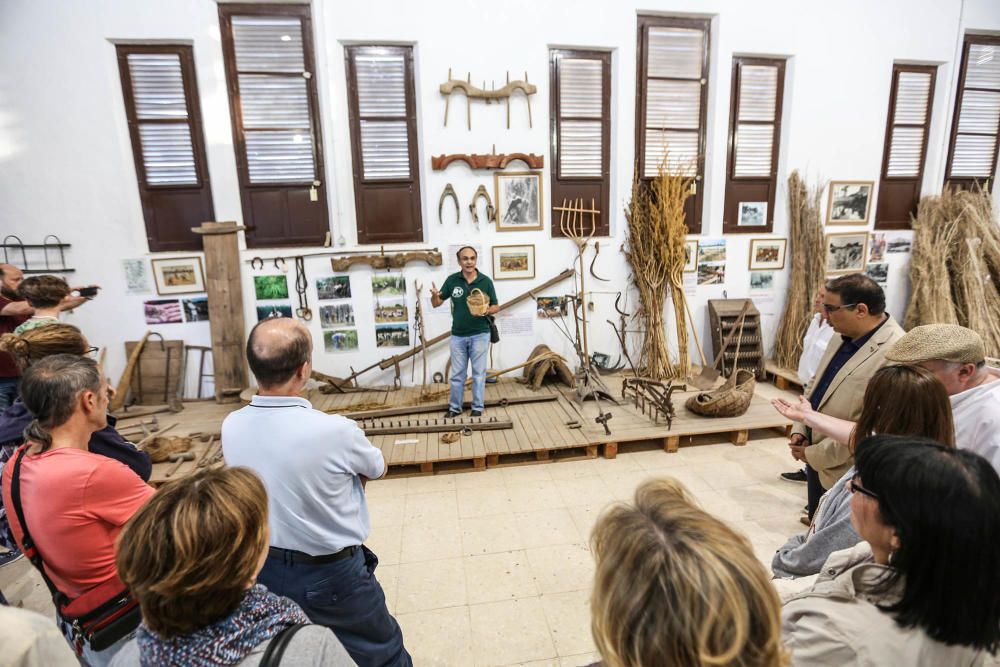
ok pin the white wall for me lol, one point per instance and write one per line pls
(66, 165)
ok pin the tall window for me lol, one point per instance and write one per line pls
(905, 151)
(580, 116)
(972, 153)
(754, 136)
(272, 96)
(671, 101)
(164, 122)
(384, 143)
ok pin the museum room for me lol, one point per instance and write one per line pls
(466, 333)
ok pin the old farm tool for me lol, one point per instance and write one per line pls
(652, 397)
(473, 92)
(301, 283)
(491, 213)
(597, 251)
(573, 226)
(706, 379)
(396, 260)
(418, 330)
(438, 425)
(449, 191)
(492, 160)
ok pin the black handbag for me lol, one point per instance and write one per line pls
(276, 647)
(494, 332)
(101, 627)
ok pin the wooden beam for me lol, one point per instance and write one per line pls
(438, 407)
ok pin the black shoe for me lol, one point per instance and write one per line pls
(797, 476)
(451, 414)
(476, 413)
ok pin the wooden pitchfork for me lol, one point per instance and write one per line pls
(572, 227)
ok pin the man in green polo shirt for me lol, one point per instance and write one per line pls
(470, 334)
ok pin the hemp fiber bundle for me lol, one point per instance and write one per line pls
(807, 248)
(654, 249)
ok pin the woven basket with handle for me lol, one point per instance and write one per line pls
(478, 302)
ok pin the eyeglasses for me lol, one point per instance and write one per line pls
(830, 308)
(855, 487)
(91, 351)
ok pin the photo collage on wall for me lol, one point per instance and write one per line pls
(392, 327)
(337, 318)
(271, 293)
(171, 276)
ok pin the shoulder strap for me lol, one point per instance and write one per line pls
(276, 648)
(58, 597)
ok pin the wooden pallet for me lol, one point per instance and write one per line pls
(783, 378)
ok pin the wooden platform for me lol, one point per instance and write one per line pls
(540, 432)
(783, 378)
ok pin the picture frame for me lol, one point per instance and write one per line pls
(178, 275)
(849, 202)
(846, 252)
(691, 256)
(518, 200)
(767, 254)
(752, 214)
(513, 262)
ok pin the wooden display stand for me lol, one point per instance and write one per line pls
(225, 307)
(723, 316)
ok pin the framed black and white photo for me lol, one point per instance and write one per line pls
(519, 200)
(512, 262)
(753, 214)
(691, 256)
(178, 275)
(845, 253)
(767, 254)
(849, 203)
(761, 281)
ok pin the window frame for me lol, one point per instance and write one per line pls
(966, 182)
(416, 231)
(185, 53)
(730, 222)
(694, 209)
(557, 182)
(227, 11)
(884, 178)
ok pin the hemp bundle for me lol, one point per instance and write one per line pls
(807, 248)
(655, 252)
(933, 242)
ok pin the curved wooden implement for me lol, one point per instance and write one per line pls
(381, 261)
(487, 160)
(475, 92)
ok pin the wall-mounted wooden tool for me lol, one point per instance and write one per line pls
(449, 191)
(491, 213)
(472, 92)
(395, 260)
(491, 160)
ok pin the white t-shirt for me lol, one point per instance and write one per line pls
(976, 413)
(310, 463)
(814, 344)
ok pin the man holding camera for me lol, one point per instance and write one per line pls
(470, 330)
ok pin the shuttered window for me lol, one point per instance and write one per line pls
(580, 131)
(161, 105)
(754, 137)
(272, 95)
(910, 101)
(384, 143)
(972, 155)
(671, 101)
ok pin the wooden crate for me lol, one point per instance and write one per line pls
(723, 316)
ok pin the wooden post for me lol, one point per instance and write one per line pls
(225, 308)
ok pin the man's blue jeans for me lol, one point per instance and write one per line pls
(463, 350)
(346, 597)
(8, 391)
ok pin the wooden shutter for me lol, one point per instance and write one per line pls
(672, 101)
(271, 78)
(905, 151)
(972, 153)
(164, 122)
(384, 143)
(754, 138)
(580, 131)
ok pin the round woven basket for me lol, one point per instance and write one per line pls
(732, 399)
(478, 302)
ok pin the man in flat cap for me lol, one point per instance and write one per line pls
(957, 357)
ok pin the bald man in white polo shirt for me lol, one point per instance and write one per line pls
(314, 466)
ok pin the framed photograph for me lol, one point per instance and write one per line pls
(711, 261)
(879, 272)
(551, 306)
(196, 309)
(333, 287)
(753, 214)
(767, 254)
(178, 275)
(845, 253)
(849, 202)
(513, 262)
(270, 287)
(519, 200)
(690, 256)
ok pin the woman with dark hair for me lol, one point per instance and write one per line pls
(899, 399)
(923, 589)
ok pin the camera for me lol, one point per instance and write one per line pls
(88, 291)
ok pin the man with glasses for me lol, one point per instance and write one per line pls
(470, 334)
(855, 308)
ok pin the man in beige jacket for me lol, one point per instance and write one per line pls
(855, 307)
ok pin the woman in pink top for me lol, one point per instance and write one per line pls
(74, 503)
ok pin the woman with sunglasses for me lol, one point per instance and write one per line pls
(923, 589)
(927, 413)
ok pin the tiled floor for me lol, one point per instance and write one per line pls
(493, 567)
